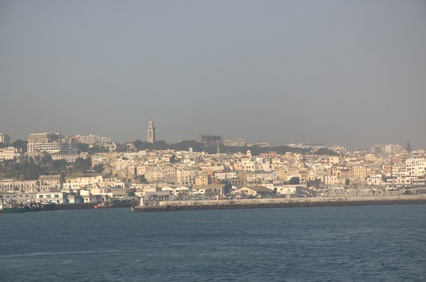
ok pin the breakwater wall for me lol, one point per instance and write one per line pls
(283, 203)
(81, 206)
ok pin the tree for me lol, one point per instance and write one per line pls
(99, 168)
(325, 151)
(142, 179)
(284, 149)
(83, 164)
(59, 164)
(97, 149)
(83, 147)
(409, 149)
(20, 144)
(62, 179)
(347, 182)
(186, 144)
(46, 159)
(294, 180)
(120, 148)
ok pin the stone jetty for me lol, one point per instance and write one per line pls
(281, 203)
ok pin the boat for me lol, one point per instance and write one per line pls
(15, 208)
(12, 210)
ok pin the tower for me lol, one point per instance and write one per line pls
(151, 131)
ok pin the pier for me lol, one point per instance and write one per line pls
(282, 203)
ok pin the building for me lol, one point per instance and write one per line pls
(4, 138)
(92, 140)
(9, 153)
(254, 191)
(44, 137)
(211, 140)
(416, 166)
(56, 197)
(49, 142)
(151, 131)
(211, 189)
(186, 176)
(235, 143)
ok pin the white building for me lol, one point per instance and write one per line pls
(9, 153)
(52, 197)
(4, 138)
(235, 143)
(49, 142)
(415, 167)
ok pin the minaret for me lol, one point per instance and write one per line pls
(151, 131)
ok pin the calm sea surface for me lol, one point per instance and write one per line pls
(371, 243)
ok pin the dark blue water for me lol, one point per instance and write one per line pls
(373, 243)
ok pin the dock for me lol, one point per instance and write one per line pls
(281, 203)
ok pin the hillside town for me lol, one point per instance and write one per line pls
(94, 169)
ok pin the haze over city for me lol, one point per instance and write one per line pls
(350, 73)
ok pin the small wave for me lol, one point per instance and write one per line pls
(62, 253)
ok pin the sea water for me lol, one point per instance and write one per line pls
(367, 243)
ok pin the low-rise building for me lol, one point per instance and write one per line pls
(9, 153)
(254, 191)
(57, 197)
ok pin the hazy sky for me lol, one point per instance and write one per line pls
(351, 73)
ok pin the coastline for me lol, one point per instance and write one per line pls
(282, 203)
(58, 207)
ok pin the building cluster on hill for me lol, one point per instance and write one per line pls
(186, 174)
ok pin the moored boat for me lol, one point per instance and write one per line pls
(14, 208)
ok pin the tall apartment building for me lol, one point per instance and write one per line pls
(210, 140)
(151, 131)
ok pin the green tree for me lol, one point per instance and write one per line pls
(83, 147)
(83, 165)
(143, 179)
(294, 180)
(97, 149)
(325, 151)
(99, 168)
(46, 159)
(62, 178)
(120, 147)
(186, 144)
(20, 144)
(347, 182)
(59, 164)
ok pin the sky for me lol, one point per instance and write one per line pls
(350, 73)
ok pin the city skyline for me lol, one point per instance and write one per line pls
(337, 72)
(207, 139)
